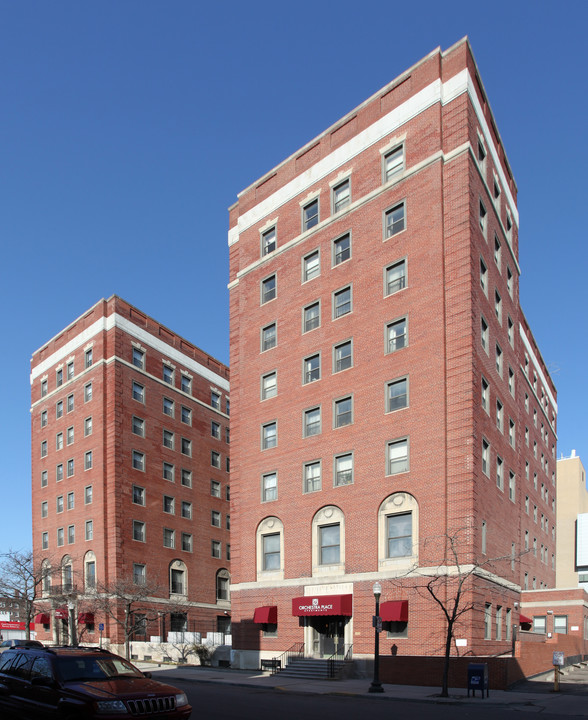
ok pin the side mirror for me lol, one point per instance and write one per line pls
(147, 674)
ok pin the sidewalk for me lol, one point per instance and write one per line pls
(563, 703)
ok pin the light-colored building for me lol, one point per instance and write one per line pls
(572, 524)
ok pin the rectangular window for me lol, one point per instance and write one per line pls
(169, 538)
(71, 534)
(88, 460)
(186, 384)
(312, 477)
(393, 163)
(498, 359)
(268, 289)
(43, 388)
(70, 403)
(186, 542)
(168, 439)
(539, 624)
(485, 457)
(139, 574)
(168, 407)
(88, 495)
(59, 409)
(268, 337)
(484, 333)
(399, 535)
(310, 215)
(485, 395)
(341, 249)
(215, 429)
(88, 392)
(395, 278)
(509, 280)
(138, 460)
(341, 196)
(70, 467)
(216, 549)
(269, 435)
(215, 518)
(395, 220)
(215, 488)
(511, 381)
(499, 473)
(342, 356)
(269, 487)
(186, 510)
(44, 478)
(70, 435)
(311, 369)
(511, 432)
(311, 317)
(269, 385)
(499, 415)
(484, 532)
(271, 551)
(59, 472)
(138, 392)
(510, 331)
(312, 422)
(397, 395)
(497, 252)
(186, 478)
(329, 544)
(186, 447)
(560, 624)
(397, 456)
(89, 530)
(169, 505)
(139, 358)
(483, 218)
(186, 415)
(138, 495)
(483, 276)
(343, 412)
(138, 426)
(168, 471)
(70, 370)
(58, 442)
(59, 504)
(215, 460)
(45, 541)
(499, 622)
(268, 241)
(167, 374)
(87, 426)
(342, 302)
(487, 621)
(511, 486)
(343, 469)
(396, 335)
(311, 266)
(60, 537)
(44, 447)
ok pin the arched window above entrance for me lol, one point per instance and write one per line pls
(328, 541)
(270, 549)
(398, 531)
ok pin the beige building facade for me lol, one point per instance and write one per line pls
(572, 524)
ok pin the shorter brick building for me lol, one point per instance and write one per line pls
(130, 461)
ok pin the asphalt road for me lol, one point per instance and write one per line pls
(230, 702)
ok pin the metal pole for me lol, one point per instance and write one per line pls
(376, 686)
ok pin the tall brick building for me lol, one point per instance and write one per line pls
(130, 474)
(388, 393)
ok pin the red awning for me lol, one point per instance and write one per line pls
(523, 619)
(267, 615)
(61, 613)
(42, 619)
(323, 605)
(394, 611)
(87, 618)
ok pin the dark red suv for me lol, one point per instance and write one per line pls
(79, 683)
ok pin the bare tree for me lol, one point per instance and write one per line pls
(129, 605)
(449, 585)
(21, 578)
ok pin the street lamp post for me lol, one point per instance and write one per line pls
(376, 686)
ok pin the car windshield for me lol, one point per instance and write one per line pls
(95, 668)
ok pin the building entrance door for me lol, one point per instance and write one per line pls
(328, 635)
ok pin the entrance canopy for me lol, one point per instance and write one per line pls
(323, 605)
(524, 620)
(87, 618)
(267, 615)
(62, 613)
(43, 619)
(394, 611)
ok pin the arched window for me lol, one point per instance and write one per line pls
(66, 574)
(270, 549)
(398, 531)
(223, 582)
(178, 578)
(328, 541)
(90, 571)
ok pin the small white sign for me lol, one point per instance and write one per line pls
(461, 642)
(574, 628)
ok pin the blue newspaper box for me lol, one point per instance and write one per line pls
(478, 678)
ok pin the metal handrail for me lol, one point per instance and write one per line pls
(344, 655)
(280, 661)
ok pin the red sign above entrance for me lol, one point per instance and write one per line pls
(323, 605)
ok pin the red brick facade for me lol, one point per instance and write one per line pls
(126, 417)
(376, 343)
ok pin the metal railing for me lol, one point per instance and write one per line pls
(280, 661)
(342, 655)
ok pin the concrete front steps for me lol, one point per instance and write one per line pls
(311, 669)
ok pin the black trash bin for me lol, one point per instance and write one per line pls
(478, 678)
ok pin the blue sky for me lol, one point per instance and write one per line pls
(127, 128)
